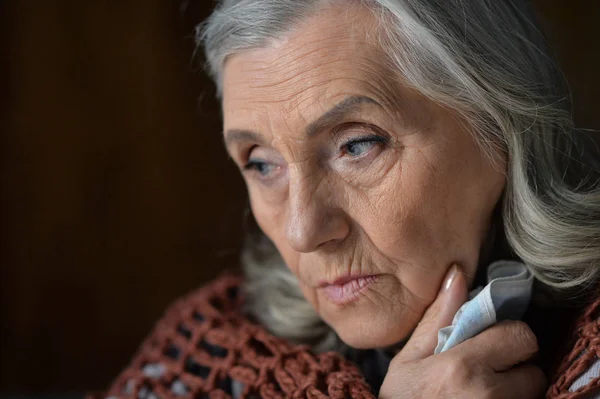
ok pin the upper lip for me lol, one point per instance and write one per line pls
(343, 280)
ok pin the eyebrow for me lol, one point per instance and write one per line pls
(332, 116)
(337, 113)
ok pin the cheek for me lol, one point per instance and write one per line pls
(267, 216)
(408, 201)
(271, 220)
(413, 240)
(437, 209)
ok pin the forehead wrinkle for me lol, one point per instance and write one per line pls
(403, 104)
(372, 80)
(298, 73)
(292, 58)
(306, 49)
(293, 53)
(300, 92)
(297, 76)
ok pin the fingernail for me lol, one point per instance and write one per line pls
(451, 277)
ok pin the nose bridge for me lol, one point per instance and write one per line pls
(310, 219)
(306, 188)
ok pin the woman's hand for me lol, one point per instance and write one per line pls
(485, 366)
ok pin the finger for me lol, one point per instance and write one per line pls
(525, 381)
(452, 294)
(502, 346)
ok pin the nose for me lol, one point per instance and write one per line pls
(313, 218)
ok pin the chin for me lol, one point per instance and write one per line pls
(372, 319)
(369, 330)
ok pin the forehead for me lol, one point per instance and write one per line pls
(328, 56)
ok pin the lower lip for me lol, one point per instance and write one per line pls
(342, 294)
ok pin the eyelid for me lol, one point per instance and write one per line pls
(367, 138)
(342, 131)
(248, 152)
(250, 164)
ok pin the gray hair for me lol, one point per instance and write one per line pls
(486, 61)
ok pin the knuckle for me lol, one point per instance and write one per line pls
(458, 370)
(491, 387)
(494, 388)
(523, 335)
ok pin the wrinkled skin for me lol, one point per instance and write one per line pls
(393, 186)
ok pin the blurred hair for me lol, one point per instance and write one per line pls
(487, 61)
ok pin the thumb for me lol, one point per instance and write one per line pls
(452, 294)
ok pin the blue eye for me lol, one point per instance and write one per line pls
(358, 147)
(263, 168)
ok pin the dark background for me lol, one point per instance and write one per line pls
(116, 192)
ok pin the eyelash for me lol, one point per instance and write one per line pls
(253, 165)
(373, 138)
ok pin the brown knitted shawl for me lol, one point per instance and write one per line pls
(583, 351)
(204, 343)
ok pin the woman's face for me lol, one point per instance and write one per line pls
(369, 191)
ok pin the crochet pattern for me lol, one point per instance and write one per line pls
(585, 350)
(204, 347)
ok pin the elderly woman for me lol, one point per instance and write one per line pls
(393, 150)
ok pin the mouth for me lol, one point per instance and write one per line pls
(346, 289)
